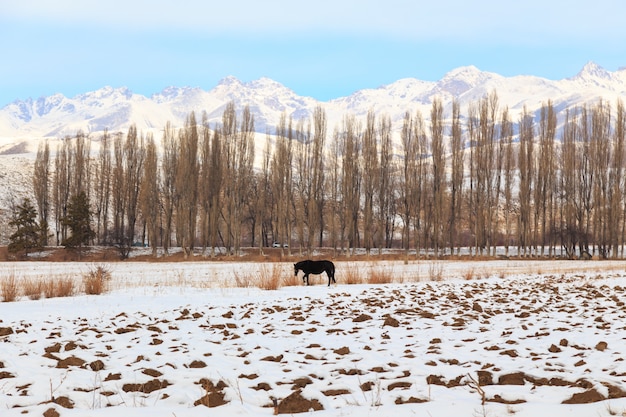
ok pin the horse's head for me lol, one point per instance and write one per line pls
(295, 270)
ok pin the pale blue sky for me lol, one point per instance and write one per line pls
(323, 49)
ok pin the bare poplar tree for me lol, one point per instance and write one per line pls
(544, 179)
(41, 188)
(210, 185)
(168, 182)
(133, 159)
(281, 177)
(457, 174)
(186, 185)
(508, 169)
(386, 187)
(526, 167)
(407, 179)
(317, 201)
(618, 180)
(585, 173)
(149, 195)
(244, 173)
(63, 166)
(438, 167)
(351, 182)
(568, 202)
(370, 180)
(303, 185)
(601, 159)
(238, 158)
(336, 227)
(102, 188)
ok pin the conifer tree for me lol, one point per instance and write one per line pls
(78, 220)
(27, 236)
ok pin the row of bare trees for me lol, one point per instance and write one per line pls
(476, 181)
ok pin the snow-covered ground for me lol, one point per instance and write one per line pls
(519, 338)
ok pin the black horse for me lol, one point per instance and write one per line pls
(315, 267)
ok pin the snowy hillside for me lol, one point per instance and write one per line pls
(117, 108)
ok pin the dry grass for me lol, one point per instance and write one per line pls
(32, 288)
(435, 271)
(65, 287)
(380, 276)
(469, 275)
(291, 280)
(58, 287)
(352, 276)
(97, 280)
(268, 278)
(9, 288)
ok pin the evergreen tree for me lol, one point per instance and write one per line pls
(27, 236)
(78, 220)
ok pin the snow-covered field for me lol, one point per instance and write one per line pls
(520, 338)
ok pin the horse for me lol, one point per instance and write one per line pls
(315, 267)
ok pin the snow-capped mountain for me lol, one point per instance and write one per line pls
(116, 109)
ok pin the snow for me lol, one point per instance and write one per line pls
(118, 108)
(555, 328)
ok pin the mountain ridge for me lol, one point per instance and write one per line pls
(116, 108)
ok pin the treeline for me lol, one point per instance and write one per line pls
(475, 181)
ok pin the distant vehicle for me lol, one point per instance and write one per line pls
(277, 245)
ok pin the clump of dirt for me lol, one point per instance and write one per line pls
(410, 400)
(71, 361)
(361, 318)
(51, 412)
(5, 331)
(113, 377)
(97, 365)
(336, 392)
(391, 321)
(152, 372)
(197, 364)
(399, 385)
(64, 402)
(515, 378)
(147, 387)
(214, 396)
(498, 399)
(296, 403)
(484, 378)
(587, 397)
(342, 351)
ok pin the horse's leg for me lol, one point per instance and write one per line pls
(305, 279)
(331, 276)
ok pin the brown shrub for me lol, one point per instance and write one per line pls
(9, 288)
(380, 276)
(469, 275)
(291, 280)
(48, 288)
(352, 276)
(96, 281)
(268, 278)
(32, 288)
(65, 287)
(58, 287)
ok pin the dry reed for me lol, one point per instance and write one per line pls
(97, 280)
(9, 288)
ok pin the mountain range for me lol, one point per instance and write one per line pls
(116, 109)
